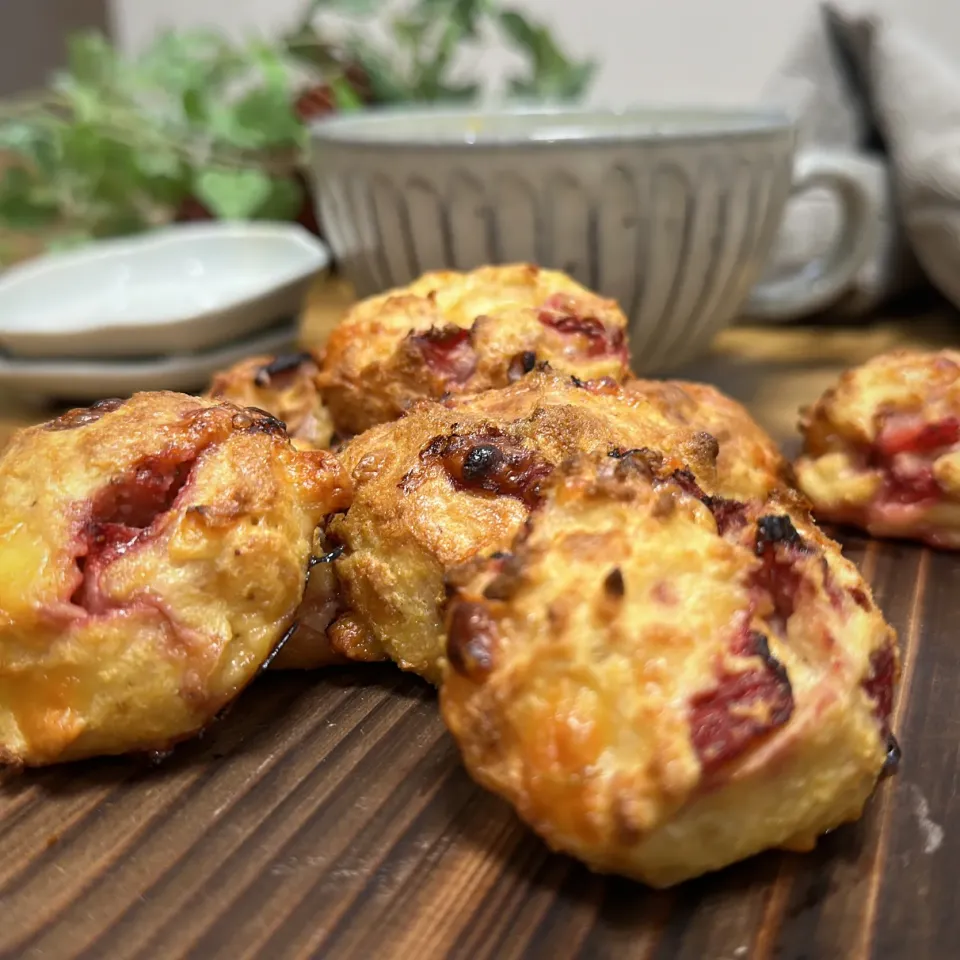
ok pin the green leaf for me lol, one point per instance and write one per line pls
(272, 66)
(179, 61)
(86, 102)
(36, 143)
(90, 58)
(411, 31)
(307, 47)
(263, 118)
(344, 96)
(386, 83)
(24, 204)
(466, 14)
(519, 30)
(119, 222)
(166, 178)
(551, 74)
(234, 194)
(283, 202)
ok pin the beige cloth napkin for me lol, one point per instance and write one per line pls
(869, 85)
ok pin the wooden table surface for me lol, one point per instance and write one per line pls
(328, 814)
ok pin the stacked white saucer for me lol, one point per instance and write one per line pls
(160, 311)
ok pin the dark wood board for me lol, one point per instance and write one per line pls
(328, 815)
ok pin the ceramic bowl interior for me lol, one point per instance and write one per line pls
(671, 212)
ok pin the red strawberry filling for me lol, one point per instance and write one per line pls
(124, 514)
(909, 434)
(880, 682)
(743, 707)
(563, 314)
(447, 352)
(904, 451)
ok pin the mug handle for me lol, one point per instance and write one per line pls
(822, 281)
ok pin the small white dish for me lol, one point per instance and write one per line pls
(86, 380)
(177, 289)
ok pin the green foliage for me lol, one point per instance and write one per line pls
(551, 75)
(247, 194)
(114, 145)
(418, 65)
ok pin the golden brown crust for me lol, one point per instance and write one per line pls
(750, 462)
(882, 448)
(152, 552)
(286, 388)
(662, 685)
(449, 480)
(459, 333)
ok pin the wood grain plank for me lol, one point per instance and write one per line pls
(329, 815)
(918, 907)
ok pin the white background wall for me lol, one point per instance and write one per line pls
(650, 50)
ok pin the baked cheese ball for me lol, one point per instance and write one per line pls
(152, 554)
(882, 448)
(285, 387)
(750, 462)
(454, 333)
(663, 683)
(448, 480)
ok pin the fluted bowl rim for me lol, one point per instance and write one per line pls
(538, 126)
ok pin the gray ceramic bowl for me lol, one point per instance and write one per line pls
(671, 212)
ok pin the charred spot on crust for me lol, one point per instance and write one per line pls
(283, 364)
(446, 351)
(120, 516)
(860, 598)
(730, 515)
(491, 461)
(774, 529)
(261, 422)
(508, 568)
(522, 364)
(641, 461)
(780, 548)
(613, 583)
(687, 482)
(472, 634)
(83, 416)
(482, 461)
(335, 554)
(744, 706)
(891, 761)
(281, 643)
